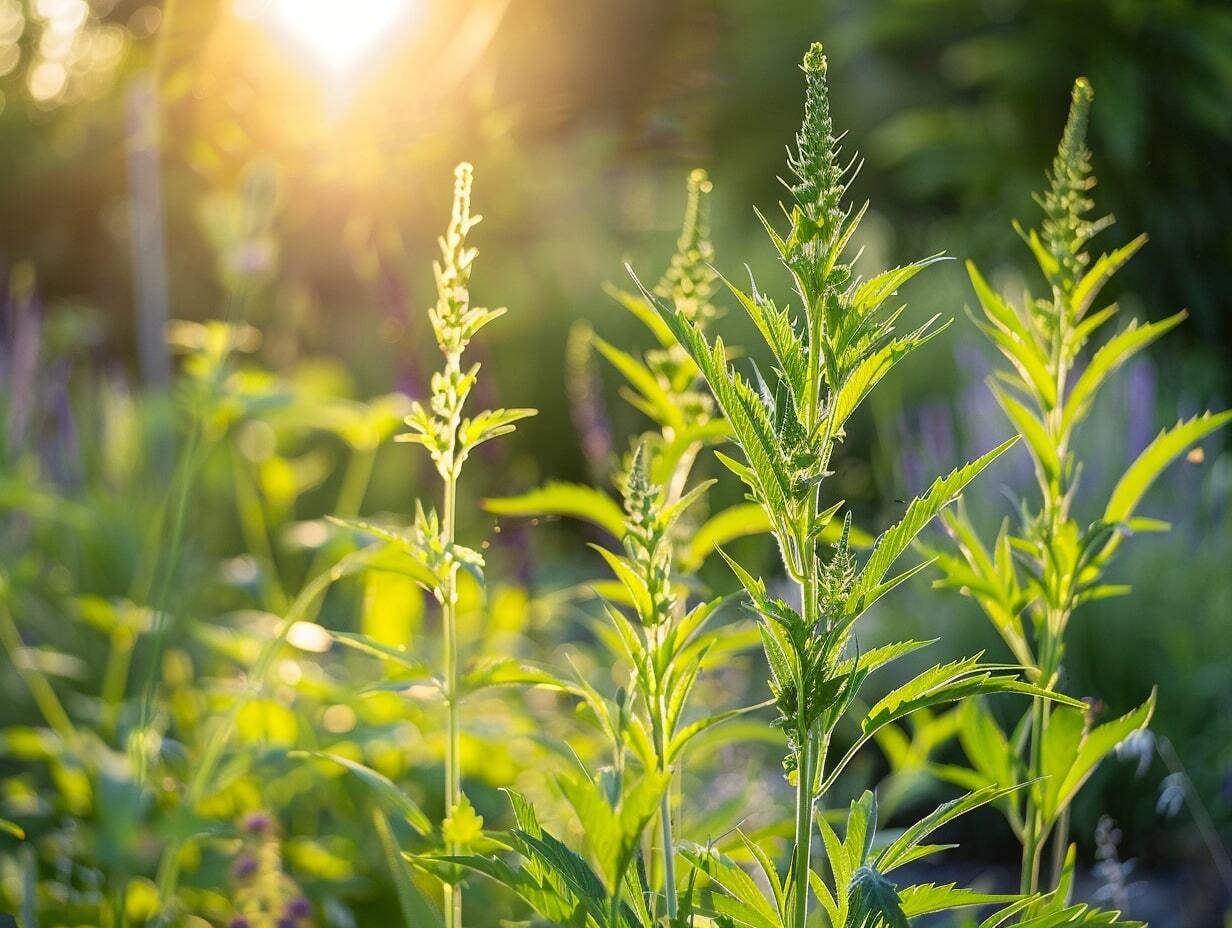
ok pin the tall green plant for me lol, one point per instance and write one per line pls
(665, 385)
(652, 627)
(827, 361)
(429, 551)
(1031, 581)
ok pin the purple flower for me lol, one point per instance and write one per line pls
(238, 922)
(299, 907)
(245, 866)
(258, 823)
(285, 922)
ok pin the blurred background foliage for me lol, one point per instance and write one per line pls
(301, 202)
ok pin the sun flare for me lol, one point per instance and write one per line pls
(339, 35)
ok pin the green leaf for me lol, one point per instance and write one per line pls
(681, 739)
(489, 424)
(873, 368)
(1110, 356)
(927, 898)
(779, 334)
(878, 657)
(895, 855)
(1087, 289)
(875, 901)
(509, 671)
(1069, 762)
(636, 587)
(574, 500)
(368, 645)
(729, 524)
(880, 287)
(768, 472)
(551, 897)
(571, 868)
(895, 540)
(998, 311)
(752, 908)
(385, 790)
(985, 744)
(659, 404)
(1042, 446)
(644, 312)
(417, 912)
(1167, 446)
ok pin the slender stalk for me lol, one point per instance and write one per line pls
(453, 772)
(802, 860)
(40, 687)
(1029, 878)
(115, 676)
(669, 855)
(1060, 842)
(806, 768)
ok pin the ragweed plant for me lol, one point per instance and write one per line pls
(666, 646)
(826, 362)
(666, 386)
(653, 629)
(429, 551)
(646, 725)
(1030, 581)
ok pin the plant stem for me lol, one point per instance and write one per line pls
(115, 676)
(806, 768)
(1060, 843)
(453, 773)
(669, 854)
(804, 830)
(40, 687)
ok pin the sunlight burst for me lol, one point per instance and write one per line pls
(338, 35)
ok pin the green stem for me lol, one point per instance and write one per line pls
(115, 676)
(802, 860)
(806, 768)
(1036, 827)
(40, 687)
(1060, 844)
(669, 855)
(453, 772)
(614, 904)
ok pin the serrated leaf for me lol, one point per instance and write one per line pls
(895, 540)
(894, 855)
(927, 898)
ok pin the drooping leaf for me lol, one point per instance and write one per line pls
(383, 788)
(416, 909)
(574, 500)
